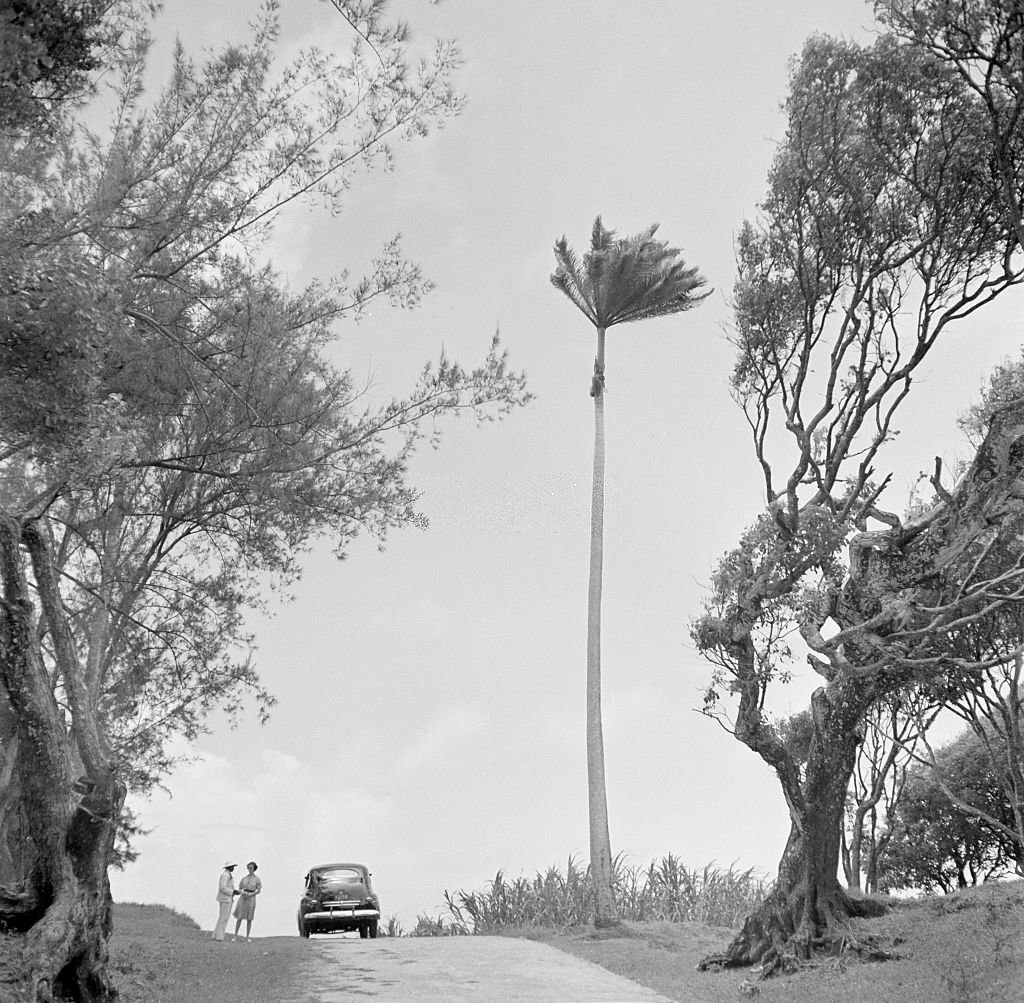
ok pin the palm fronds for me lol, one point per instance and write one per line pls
(626, 279)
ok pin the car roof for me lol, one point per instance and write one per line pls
(331, 867)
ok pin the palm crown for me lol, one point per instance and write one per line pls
(624, 279)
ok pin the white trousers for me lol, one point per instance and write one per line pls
(222, 920)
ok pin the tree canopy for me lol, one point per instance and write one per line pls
(174, 430)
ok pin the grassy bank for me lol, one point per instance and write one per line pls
(162, 956)
(963, 948)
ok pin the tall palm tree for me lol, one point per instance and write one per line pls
(618, 280)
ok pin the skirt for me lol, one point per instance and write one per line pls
(245, 907)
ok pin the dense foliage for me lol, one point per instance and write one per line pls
(47, 49)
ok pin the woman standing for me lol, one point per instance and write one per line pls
(248, 888)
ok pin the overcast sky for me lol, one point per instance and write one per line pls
(431, 697)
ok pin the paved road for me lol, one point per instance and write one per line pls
(458, 970)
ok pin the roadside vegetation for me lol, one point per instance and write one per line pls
(666, 890)
(962, 948)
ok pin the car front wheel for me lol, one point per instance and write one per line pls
(303, 929)
(373, 928)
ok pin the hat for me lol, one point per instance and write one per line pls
(230, 864)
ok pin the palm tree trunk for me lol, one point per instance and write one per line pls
(600, 841)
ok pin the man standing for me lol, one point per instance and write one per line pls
(225, 896)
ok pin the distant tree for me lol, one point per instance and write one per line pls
(617, 281)
(940, 845)
(892, 729)
(174, 434)
(992, 706)
(884, 225)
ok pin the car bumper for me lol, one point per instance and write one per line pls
(340, 915)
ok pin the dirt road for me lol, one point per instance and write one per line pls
(455, 970)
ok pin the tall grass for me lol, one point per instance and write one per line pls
(665, 890)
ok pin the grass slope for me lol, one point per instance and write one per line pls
(161, 956)
(964, 948)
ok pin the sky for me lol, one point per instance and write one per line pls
(430, 716)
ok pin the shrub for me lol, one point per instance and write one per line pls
(664, 890)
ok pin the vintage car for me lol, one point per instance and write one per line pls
(338, 898)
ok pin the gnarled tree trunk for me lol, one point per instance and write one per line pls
(807, 908)
(62, 801)
(909, 590)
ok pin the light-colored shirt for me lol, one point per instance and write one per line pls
(250, 885)
(226, 887)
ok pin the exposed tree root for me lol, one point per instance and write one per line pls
(834, 951)
(775, 942)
